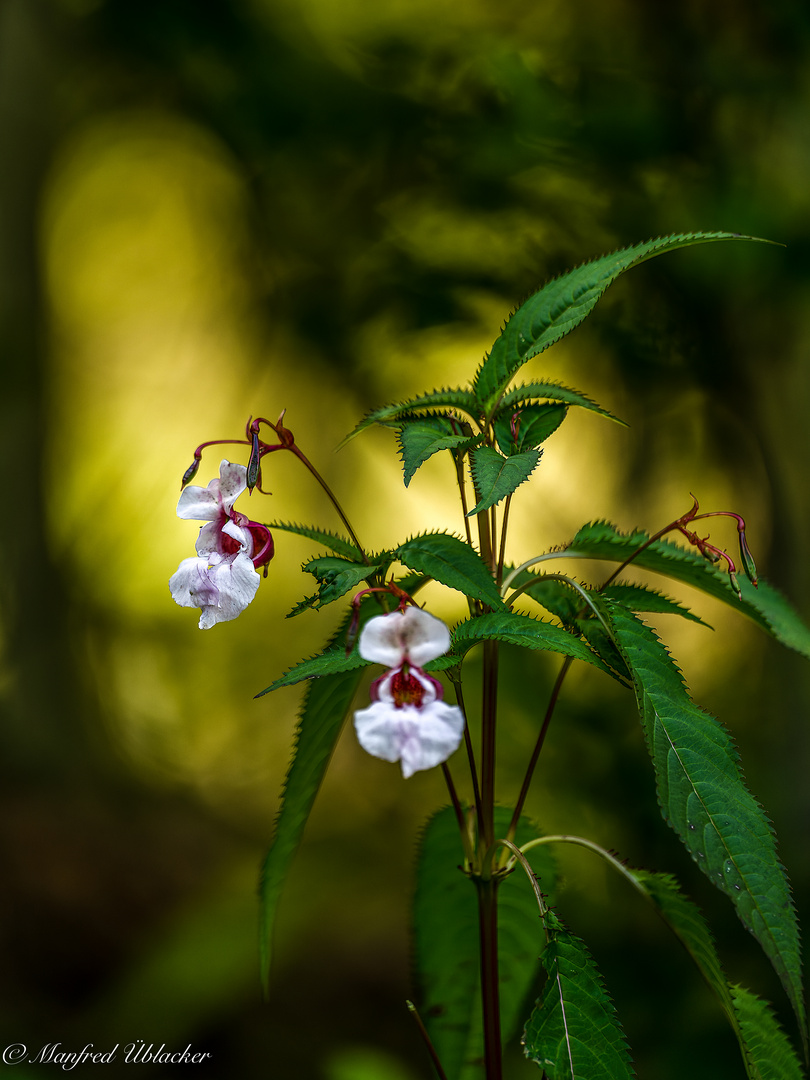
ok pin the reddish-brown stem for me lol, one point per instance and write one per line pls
(328, 491)
(470, 756)
(541, 738)
(451, 790)
(488, 940)
(431, 1049)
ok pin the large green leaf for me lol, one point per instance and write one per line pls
(332, 661)
(764, 604)
(421, 439)
(446, 942)
(641, 598)
(450, 560)
(525, 631)
(686, 921)
(704, 798)
(335, 576)
(326, 702)
(769, 1051)
(552, 392)
(525, 428)
(339, 544)
(573, 1032)
(560, 305)
(497, 476)
(460, 399)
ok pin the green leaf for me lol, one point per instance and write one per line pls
(497, 476)
(560, 305)
(535, 423)
(336, 576)
(764, 604)
(640, 598)
(553, 392)
(421, 439)
(446, 942)
(766, 1052)
(602, 644)
(769, 1050)
(461, 399)
(522, 630)
(333, 661)
(339, 544)
(703, 797)
(558, 597)
(326, 703)
(573, 1032)
(451, 561)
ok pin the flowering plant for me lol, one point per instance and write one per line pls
(474, 981)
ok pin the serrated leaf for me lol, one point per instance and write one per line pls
(326, 703)
(703, 797)
(534, 424)
(331, 662)
(764, 604)
(421, 439)
(769, 1049)
(602, 644)
(766, 1052)
(446, 942)
(515, 629)
(640, 598)
(459, 398)
(451, 561)
(573, 1032)
(558, 597)
(339, 544)
(560, 305)
(553, 392)
(336, 576)
(497, 476)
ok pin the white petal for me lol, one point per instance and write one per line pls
(221, 586)
(232, 482)
(411, 635)
(209, 503)
(210, 538)
(198, 503)
(419, 738)
(191, 584)
(237, 581)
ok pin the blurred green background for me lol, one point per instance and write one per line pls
(216, 209)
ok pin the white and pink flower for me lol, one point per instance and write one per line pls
(223, 578)
(407, 721)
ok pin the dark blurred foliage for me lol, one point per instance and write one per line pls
(403, 170)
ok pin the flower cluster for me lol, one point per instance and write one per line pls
(223, 577)
(408, 720)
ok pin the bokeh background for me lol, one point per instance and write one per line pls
(216, 209)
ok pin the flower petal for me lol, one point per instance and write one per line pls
(411, 635)
(221, 586)
(227, 539)
(418, 738)
(215, 501)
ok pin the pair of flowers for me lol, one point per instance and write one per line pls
(407, 721)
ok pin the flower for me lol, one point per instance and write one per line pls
(408, 720)
(223, 579)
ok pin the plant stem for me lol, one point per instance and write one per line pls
(541, 738)
(431, 1049)
(489, 707)
(470, 756)
(305, 461)
(488, 926)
